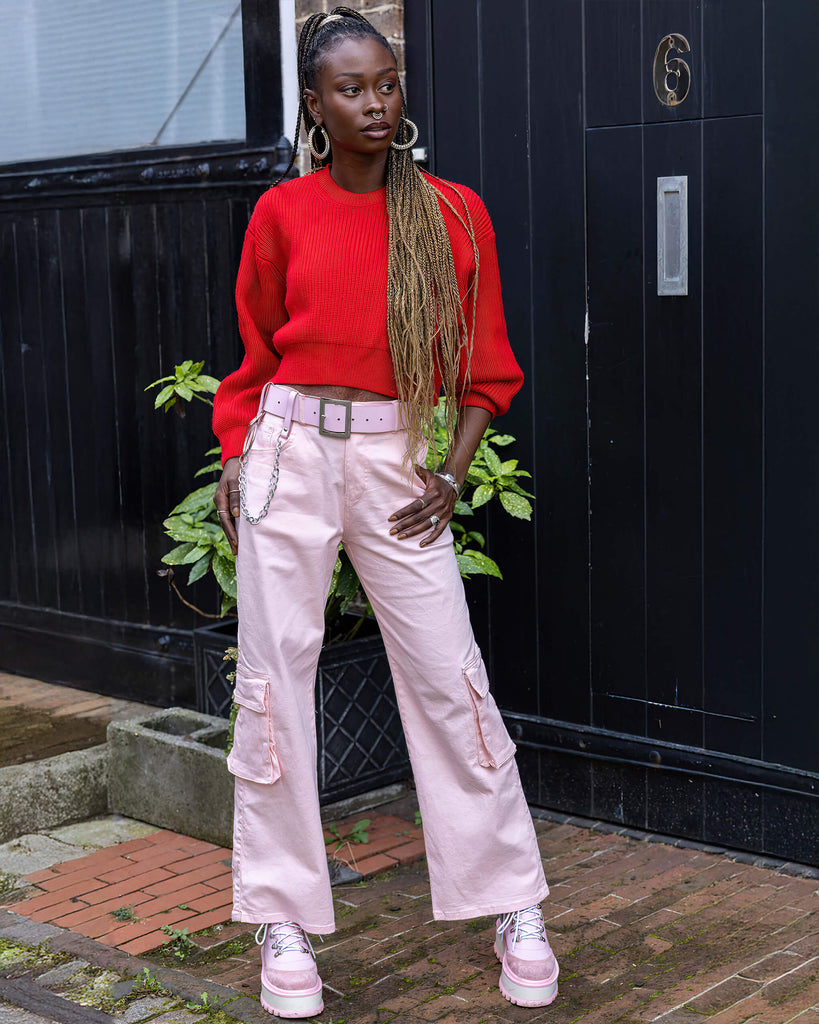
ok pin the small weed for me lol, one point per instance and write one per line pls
(182, 906)
(418, 819)
(124, 913)
(146, 982)
(8, 884)
(205, 1004)
(357, 834)
(180, 945)
(357, 981)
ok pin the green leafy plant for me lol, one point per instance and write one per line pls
(201, 544)
(357, 834)
(204, 1004)
(145, 982)
(124, 913)
(180, 944)
(186, 383)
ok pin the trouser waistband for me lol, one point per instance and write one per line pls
(334, 417)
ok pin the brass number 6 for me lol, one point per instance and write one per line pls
(664, 68)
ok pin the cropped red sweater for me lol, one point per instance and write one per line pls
(312, 300)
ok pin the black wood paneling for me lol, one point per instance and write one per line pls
(616, 430)
(732, 433)
(558, 381)
(791, 605)
(614, 63)
(673, 453)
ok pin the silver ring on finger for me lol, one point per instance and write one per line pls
(423, 504)
(434, 520)
(223, 512)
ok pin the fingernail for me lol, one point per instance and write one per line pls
(391, 519)
(402, 536)
(393, 530)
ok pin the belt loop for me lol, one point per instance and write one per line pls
(289, 404)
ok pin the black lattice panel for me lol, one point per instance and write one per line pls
(360, 739)
(361, 742)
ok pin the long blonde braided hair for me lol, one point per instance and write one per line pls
(426, 327)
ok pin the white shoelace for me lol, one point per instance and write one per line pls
(528, 924)
(288, 942)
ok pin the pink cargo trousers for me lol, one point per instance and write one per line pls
(481, 847)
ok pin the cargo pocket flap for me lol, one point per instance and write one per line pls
(475, 675)
(494, 744)
(253, 755)
(251, 691)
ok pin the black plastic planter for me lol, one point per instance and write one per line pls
(360, 740)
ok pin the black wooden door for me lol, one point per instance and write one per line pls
(653, 644)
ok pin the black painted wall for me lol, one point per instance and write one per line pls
(112, 269)
(653, 644)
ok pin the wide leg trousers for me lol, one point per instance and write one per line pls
(481, 846)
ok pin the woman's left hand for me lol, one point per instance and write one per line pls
(438, 500)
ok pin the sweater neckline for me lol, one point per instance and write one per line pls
(324, 181)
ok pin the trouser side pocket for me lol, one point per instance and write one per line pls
(494, 744)
(253, 756)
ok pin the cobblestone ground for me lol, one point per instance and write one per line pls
(644, 931)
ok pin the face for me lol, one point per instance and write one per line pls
(358, 78)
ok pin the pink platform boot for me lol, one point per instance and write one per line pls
(529, 972)
(291, 986)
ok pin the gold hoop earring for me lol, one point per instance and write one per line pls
(412, 141)
(311, 145)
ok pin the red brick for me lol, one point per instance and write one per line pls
(141, 945)
(82, 869)
(201, 860)
(131, 885)
(51, 899)
(172, 884)
(211, 901)
(147, 905)
(92, 862)
(372, 865)
(51, 914)
(409, 852)
(201, 921)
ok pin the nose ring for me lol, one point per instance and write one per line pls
(377, 115)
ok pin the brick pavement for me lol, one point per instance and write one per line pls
(644, 931)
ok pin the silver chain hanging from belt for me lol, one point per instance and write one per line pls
(272, 484)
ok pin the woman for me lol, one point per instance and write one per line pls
(365, 289)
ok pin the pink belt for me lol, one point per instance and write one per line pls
(334, 417)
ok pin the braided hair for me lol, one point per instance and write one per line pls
(426, 326)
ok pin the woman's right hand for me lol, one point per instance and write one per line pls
(226, 501)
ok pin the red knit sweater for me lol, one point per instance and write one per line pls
(312, 300)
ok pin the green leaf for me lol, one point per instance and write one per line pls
(493, 462)
(164, 395)
(214, 451)
(485, 564)
(183, 369)
(155, 383)
(477, 476)
(184, 392)
(519, 490)
(482, 495)
(224, 569)
(516, 505)
(176, 556)
(509, 467)
(205, 383)
(212, 467)
(199, 568)
(462, 509)
(502, 439)
(477, 538)
(178, 528)
(467, 566)
(228, 604)
(200, 498)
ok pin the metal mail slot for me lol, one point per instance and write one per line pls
(672, 235)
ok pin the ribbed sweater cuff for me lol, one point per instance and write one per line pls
(233, 440)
